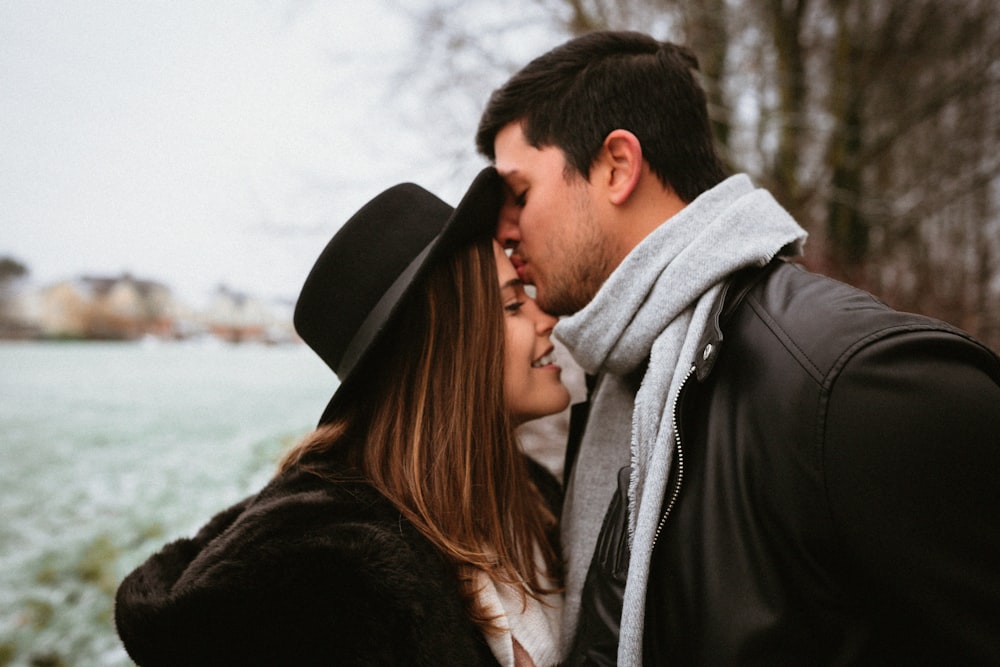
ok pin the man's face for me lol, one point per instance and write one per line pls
(551, 223)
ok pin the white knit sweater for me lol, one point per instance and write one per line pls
(535, 625)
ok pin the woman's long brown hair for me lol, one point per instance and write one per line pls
(436, 438)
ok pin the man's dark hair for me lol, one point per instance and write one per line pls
(573, 96)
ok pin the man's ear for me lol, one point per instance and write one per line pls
(622, 154)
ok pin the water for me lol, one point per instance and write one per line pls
(111, 450)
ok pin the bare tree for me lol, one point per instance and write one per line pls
(872, 121)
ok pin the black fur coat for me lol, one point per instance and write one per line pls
(306, 572)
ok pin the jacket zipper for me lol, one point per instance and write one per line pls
(675, 422)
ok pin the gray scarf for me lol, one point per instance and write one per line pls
(655, 305)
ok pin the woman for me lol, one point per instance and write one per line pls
(407, 528)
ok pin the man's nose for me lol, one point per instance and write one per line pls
(508, 233)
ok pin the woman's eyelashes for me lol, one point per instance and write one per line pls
(513, 307)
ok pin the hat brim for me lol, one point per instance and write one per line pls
(475, 217)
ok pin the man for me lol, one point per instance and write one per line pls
(786, 470)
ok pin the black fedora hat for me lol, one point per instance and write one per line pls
(372, 263)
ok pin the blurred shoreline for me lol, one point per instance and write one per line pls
(127, 308)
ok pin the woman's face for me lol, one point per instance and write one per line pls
(531, 383)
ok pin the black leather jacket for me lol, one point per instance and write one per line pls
(838, 493)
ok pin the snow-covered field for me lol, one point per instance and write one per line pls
(109, 450)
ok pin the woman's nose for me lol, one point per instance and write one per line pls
(544, 323)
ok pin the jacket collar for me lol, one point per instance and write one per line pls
(730, 298)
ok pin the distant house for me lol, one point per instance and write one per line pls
(61, 310)
(18, 312)
(239, 318)
(127, 308)
(118, 308)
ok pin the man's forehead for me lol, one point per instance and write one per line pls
(507, 174)
(510, 145)
(507, 165)
(522, 160)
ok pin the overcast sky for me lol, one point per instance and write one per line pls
(201, 142)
